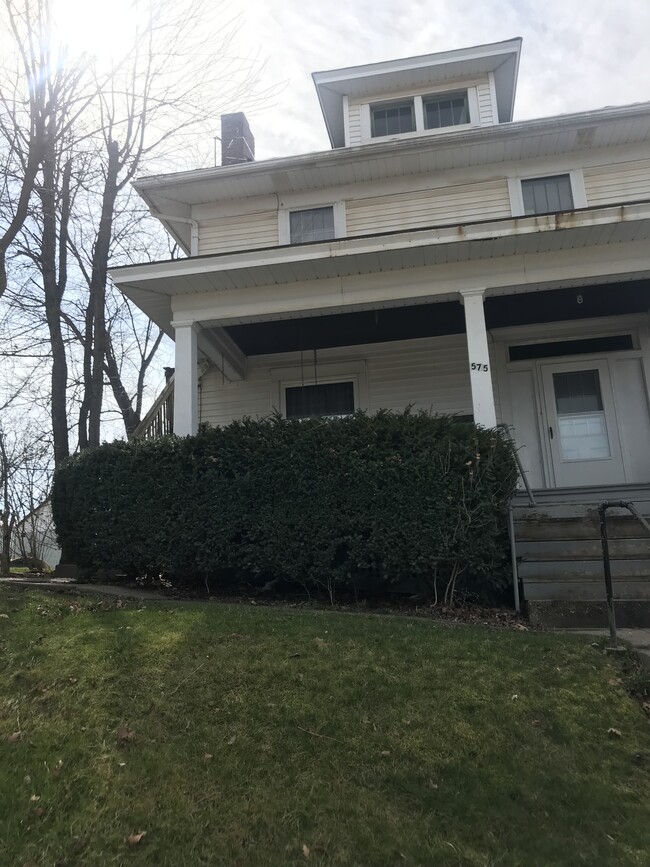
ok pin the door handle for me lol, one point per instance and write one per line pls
(550, 432)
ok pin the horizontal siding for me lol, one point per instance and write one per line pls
(485, 109)
(621, 182)
(429, 373)
(238, 233)
(354, 121)
(463, 203)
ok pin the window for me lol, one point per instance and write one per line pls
(316, 224)
(547, 195)
(327, 398)
(449, 109)
(392, 119)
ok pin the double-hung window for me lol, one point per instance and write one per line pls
(323, 399)
(449, 109)
(421, 113)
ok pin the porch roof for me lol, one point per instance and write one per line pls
(523, 240)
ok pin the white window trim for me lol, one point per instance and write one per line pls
(284, 226)
(293, 377)
(418, 111)
(576, 179)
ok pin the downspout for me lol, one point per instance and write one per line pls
(194, 232)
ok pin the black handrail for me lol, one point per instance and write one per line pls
(607, 568)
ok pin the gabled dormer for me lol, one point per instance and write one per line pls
(420, 96)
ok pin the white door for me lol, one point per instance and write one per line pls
(582, 429)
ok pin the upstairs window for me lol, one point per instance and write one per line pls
(547, 195)
(324, 399)
(448, 109)
(315, 224)
(392, 118)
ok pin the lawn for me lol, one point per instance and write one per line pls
(237, 735)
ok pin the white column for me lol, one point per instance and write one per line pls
(186, 379)
(479, 358)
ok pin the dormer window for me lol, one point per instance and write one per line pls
(449, 109)
(420, 114)
(392, 118)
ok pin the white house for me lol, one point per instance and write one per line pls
(440, 255)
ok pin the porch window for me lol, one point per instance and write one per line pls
(547, 195)
(314, 224)
(581, 416)
(449, 109)
(324, 399)
(392, 119)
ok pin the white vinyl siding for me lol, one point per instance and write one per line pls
(354, 121)
(243, 232)
(428, 373)
(485, 105)
(463, 203)
(621, 182)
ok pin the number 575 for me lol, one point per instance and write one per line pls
(482, 367)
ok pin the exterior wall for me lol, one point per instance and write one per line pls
(412, 201)
(35, 536)
(428, 207)
(429, 373)
(617, 182)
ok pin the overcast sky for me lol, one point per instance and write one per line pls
(577, 54)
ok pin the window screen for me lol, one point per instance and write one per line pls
(316, 224)
(547, 195)
(327, 398)
(451, 109)
(392, 119)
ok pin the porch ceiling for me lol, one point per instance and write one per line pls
(432, 320)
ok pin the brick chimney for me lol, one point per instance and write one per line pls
(237, 142)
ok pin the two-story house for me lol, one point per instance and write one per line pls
(440, 255)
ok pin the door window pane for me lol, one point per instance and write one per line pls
(328, 398)
(547, 195)
(581, 418)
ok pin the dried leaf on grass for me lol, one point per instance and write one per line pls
(15, 737)
(614, 733)
(125, 734)
(4, 617)
(320, 643)
(615, 681)
(305, 850)
(134, 839)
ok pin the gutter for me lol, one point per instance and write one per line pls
(194, 231)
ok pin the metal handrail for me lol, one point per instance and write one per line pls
(607, 568)
(520, 466)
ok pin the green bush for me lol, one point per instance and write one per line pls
(364, 503)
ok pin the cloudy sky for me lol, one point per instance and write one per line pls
(577, 54)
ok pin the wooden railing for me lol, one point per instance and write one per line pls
(159, 421)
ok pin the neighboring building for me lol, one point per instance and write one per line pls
(440, 256)
(33, 540)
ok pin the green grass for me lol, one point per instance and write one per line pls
(429, 745)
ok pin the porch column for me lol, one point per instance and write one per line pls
(479, 358)
(186, 379)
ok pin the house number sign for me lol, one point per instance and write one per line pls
(482, 367)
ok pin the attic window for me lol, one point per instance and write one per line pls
(392, 118)
(448, 109)
(314, 224)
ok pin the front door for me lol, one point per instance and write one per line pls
(582, 428)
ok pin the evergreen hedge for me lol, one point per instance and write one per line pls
(362, 503)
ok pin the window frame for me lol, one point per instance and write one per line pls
(440, 97)
(344, 380)
(284, 221)
(326, 372)
(393, 103)
(576, 180)
(418, 99)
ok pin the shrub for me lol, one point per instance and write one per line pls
(364, 503)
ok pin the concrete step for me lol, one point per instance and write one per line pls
(581, 590)
(533, 528)
(632, 614)
(582, 549)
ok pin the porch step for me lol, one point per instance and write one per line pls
(559, 555)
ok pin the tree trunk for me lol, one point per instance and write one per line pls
(53, 292)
